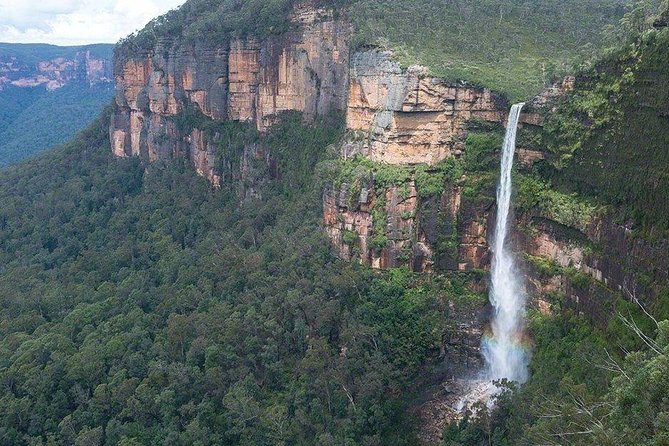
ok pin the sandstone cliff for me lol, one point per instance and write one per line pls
(610, 260)
(394, 116)
(406, 117)
(304, 70)
(409, 117)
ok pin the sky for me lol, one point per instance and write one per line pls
(76, 22)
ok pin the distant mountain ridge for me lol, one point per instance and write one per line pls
(48, 93)
(32, 65)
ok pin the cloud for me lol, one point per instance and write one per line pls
(76, 22)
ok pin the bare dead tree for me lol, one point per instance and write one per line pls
(650, 342)
(632, 296)
(610, 365)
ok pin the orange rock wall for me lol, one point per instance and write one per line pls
(409, 117)
(305, 70)
(406, 243)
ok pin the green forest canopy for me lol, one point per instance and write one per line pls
(141, 306)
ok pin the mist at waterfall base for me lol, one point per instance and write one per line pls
(503, 349)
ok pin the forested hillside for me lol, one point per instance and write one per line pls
(143, 307)
(515, 47)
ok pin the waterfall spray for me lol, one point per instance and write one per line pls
(503, 350)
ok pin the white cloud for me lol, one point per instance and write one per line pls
(76, 22)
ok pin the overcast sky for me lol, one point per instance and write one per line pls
(76, 22)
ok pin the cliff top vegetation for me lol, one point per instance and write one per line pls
(515, 47)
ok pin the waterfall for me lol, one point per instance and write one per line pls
(503, 349)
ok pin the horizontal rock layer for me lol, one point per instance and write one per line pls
(408, 117)
(304, 70)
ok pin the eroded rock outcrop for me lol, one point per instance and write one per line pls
(409, 117)
(304, 70)
(396, 239)
(553, 92)
(406, 117)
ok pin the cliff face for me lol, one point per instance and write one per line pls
(405, 117)
(408, 117)
(612, 262)
(246, 80)
(406, 240)
(394, 116)
(54, 73)
(413, 228)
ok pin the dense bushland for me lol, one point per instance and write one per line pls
(143, 307)
(608, 139)
(515, 47)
